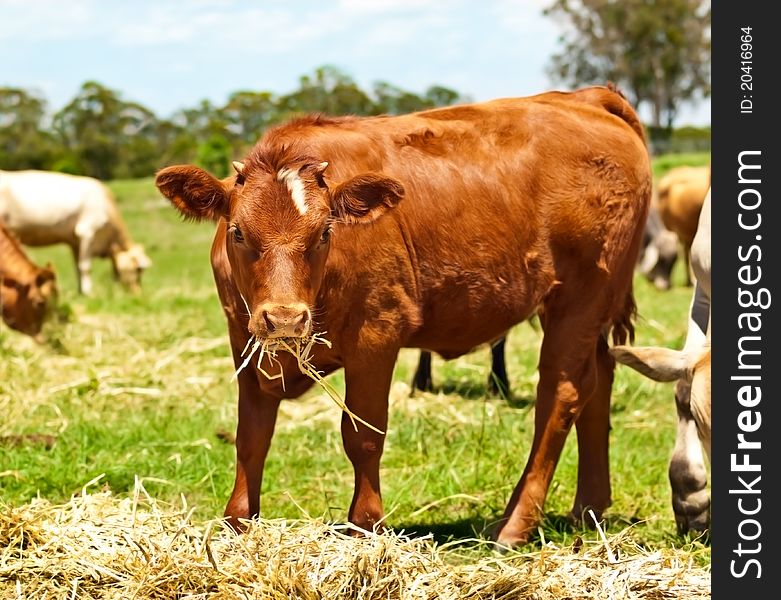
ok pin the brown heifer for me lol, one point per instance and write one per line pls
(439, 230)
(25, 289)
(679, 197)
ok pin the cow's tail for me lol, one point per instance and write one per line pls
(623, 327)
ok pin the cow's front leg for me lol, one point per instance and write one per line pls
(367, 386)
(257, 417)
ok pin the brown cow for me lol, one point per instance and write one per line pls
(679, 197)
(26, 290)
(439, 230)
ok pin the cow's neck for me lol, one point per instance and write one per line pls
(121, 241)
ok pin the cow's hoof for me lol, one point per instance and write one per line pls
(509, 538)
(237, 524)
(692, 515)
(584, 518)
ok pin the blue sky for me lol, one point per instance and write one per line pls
(170, 54)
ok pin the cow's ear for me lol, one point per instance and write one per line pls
(20, 287)
(365, 197)
(9, 281)
(197, 194)
(43, 276)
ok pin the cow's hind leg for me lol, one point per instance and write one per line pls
(568, 378)
(422, 379)
(498, 383)
(367, 387)
(593, 429)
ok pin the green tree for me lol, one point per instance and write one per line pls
(139, 143)
(215, 154)
(88, 127)
(248, 114)
(328, 91)
(176, 144)
(442, 96)
(105, 135)
(656, 51)
(393, 100)
(24, 144)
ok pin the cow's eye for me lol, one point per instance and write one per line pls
(238, 236)
(326, 235)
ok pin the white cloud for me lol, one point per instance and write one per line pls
(394, 6)
(27, 20)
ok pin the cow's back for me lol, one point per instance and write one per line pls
(549, 163)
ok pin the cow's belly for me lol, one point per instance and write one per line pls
(38, 224)
(457, 318)
(58, 232)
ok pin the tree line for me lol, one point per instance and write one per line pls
(101, 134)
(657, 52)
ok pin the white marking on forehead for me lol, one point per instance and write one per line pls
(296, 188)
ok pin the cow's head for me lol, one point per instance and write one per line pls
(658, 257)
(129, 264)
(279, 214)
(26, 304)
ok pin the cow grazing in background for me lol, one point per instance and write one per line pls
(659, 251)
(44, 208)
(691, 369)
(679, 197)
(440, 230)
(497, 383)
(27, 291)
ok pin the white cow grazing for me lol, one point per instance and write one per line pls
(691, 368)
(44, 208)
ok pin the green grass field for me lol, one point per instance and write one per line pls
(139, 387)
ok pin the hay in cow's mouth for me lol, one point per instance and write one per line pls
(301, 348)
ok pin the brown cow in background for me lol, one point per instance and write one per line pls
(440, 230)
(26, 290)
(679, 197)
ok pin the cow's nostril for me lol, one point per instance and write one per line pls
(300, 322)
(269, 321)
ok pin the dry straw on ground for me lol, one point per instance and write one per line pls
(99, 546)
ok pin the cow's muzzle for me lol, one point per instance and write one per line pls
(281, 321)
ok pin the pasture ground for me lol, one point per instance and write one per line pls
(137, 389)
